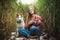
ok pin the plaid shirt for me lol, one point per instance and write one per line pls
(37, 21)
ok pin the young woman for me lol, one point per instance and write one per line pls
(33, 22)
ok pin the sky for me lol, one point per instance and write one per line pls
(26, 1)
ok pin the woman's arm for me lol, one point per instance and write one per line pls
(43, 27)
(28, 23)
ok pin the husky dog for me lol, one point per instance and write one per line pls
(19, 22)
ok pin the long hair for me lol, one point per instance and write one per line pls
(33, 8)
(28, 17)
(29, 10)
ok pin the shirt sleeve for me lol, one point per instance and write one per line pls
(40, 18)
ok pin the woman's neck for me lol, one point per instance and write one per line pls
(31, 15)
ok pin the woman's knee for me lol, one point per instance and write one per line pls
(33, 27)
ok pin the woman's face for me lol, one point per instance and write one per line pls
(31, 10)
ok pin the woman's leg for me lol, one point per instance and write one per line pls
(35, 31)
(24, 32)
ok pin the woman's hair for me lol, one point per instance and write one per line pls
(28, 16)
(33, 8)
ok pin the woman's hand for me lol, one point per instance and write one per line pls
(28, 23)
(31, 22)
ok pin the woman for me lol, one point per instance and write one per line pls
(33, 22)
